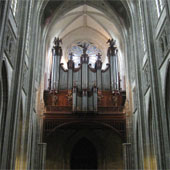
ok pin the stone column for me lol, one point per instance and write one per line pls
(42, 155)
(127, 156)
(57, 53)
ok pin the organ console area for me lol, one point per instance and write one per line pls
(84, 92)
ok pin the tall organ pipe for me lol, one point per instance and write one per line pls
(112, 54)
(56, 53)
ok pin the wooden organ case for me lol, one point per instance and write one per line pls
(84, 95)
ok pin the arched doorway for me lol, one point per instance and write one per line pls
(84, 155)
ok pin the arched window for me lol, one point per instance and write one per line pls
(14, 6)
(77, 51)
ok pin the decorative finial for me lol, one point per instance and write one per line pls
(56, 48)
(98, 56)
(84, 47)
(57, 42)
(71, 56)
(112, 50)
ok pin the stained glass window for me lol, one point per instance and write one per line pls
(77, 51)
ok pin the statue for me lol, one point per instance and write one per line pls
(56, 47)
(98, 56)
(84, 47)
(71, 56)
(112, 50)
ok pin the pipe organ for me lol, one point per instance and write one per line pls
(85, 88)
(84, 93)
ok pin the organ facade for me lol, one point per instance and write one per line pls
(85, 88)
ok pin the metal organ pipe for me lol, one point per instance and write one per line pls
(55, 75)
(113, 59)
(84, 62)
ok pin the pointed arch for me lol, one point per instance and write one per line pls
(84, 155)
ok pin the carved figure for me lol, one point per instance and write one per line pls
(71, 56)
(56, 47)
(112, 50)
(84, 47)
(98, 56)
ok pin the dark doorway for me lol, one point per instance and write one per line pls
(84, 155)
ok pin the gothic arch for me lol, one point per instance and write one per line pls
(83, 155)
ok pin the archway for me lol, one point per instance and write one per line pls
(84, 155)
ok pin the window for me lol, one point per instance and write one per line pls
(142, 26)
(159, 6)
(14, 6)
(77, 51)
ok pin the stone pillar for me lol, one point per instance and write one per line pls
(127, 156)
(84, 62)
(56, 53)
(113, 59)
(42, 155)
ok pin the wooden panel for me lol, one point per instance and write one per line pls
(57, 99)
(109, 100)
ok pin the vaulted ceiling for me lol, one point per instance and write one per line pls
(95, 23)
